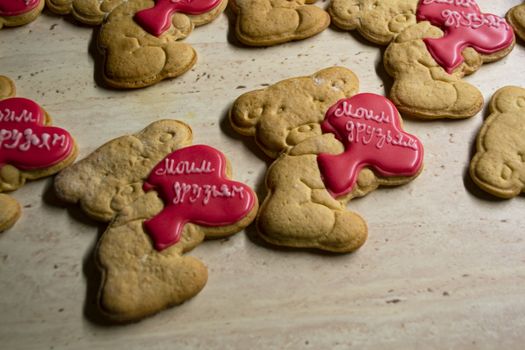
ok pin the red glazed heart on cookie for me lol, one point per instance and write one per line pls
(157, 20)
(369, 126)
(465, 26)
(17, 7)
(192, 183)
(25, 141)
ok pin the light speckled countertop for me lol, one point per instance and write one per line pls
(444, 266)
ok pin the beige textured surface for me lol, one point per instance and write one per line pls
(443, 267)
(111, 177)
(271, 22)
(15, 21)
(499, 164)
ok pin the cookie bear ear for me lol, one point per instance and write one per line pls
(7, 87)
(167, 132)
(509, 99)
(247, 110)
(346, 14)
(338, 78)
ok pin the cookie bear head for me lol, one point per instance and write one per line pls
(377, 21)
(288, 112)
(499, 165)
(111, 177)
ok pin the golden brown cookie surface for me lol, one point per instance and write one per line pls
(134, 55)
(289, 122)
(431, 46)
(499, 164)
(9, 212)
(162, 198)
(271, 22)
(516, 18)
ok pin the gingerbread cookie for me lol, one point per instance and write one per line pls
(14, 13)
(271, 22)
(432, 44)
(9, 212)
(163, 198)
(331, 146)
(140, 39)
(516, 18)
(29, 148)
(499, 164)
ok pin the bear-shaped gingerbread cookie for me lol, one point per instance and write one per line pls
(432, 44)
(162, 198)
(140, 39)
(330, 145)
(30, 148)
(498, 167)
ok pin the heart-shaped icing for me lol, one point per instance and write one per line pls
(157, 20)
(25, 141)
(192, 183)
(17, 7)
(465, 26)
(369, 126)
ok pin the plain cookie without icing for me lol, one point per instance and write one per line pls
(499, 164)
(272, 22)
(516, 18)
(10, 212)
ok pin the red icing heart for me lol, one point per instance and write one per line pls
(369, 126)
(25, 142)
(17, 7)
(157, 20)
(464, 26)
(191, 182)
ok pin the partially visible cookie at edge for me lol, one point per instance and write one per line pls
(10, 212)
(498, 167)
(516, 18)
(14, 13)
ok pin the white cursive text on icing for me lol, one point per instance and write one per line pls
(191, 193)
(184, 168)
(347, 110)
(8, 115)
(24, 140)
(365, 134)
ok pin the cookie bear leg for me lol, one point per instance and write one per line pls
(9, 212)
(423, 89)
(418, 94)
(299, 211)
(264, 23)
(137, 279)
